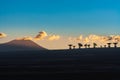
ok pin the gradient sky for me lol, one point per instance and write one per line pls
(63, 17)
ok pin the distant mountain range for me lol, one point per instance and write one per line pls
(20, 45)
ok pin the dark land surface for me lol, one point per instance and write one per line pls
(84, 64)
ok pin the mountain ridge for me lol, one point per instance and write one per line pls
(20, 45)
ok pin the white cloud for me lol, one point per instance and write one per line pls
(25, 38)
(2, 35)
(41, 35)
(99, 39)
(53, 37)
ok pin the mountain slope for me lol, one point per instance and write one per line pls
(20, 45)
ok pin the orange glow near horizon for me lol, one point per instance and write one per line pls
(61, 42)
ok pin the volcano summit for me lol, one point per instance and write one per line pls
(20, 45)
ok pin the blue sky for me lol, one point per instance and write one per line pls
(63, 17)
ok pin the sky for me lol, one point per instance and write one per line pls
(61, 19)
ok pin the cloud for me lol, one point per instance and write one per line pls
(99, 39)
(80, 38)
(25, 38)
(2, 35)
(114, 38)
(53, 37)
(94, 38)
(44, 36)
(41, 35)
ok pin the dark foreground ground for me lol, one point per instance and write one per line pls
(84, 64)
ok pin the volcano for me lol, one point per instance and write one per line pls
(20, 45)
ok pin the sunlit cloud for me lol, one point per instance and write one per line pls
(54, 37)
(41, 36)
(45, 36)
(2, 35)
(80, 38)
(25, 38)
(115, 38)
(90, 39)
(96, 38)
